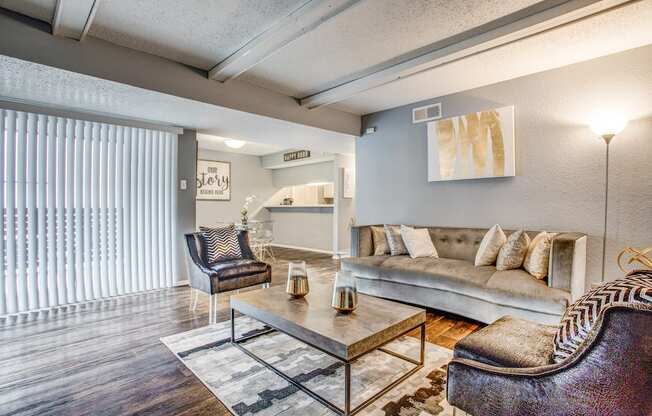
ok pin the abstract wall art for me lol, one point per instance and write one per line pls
(475, 145)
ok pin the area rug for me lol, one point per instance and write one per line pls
(246, 387)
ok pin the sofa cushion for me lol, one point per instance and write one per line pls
(394, 240)
(234, 268)
(509, 342)
(444, 274)
(512, 253)
(381, 247)
(220, 243)
(369, 266)
(520, 289)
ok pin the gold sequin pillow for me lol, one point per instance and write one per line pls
(512, 253)
(538, 255)
(379, 238)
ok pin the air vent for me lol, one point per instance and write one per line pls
(426, 113)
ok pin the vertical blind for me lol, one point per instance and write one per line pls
(89, 210)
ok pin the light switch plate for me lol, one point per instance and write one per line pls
(183, 184)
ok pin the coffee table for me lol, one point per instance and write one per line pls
(346, 337)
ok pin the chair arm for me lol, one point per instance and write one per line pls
(198, 273)
(567, 267)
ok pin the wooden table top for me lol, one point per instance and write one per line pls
(312, 319)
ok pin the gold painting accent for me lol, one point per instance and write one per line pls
(475, 145)
(635, 256)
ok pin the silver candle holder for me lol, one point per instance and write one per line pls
(297, 284)
(345, 293)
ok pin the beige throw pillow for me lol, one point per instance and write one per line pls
(491, 243)
(418, 242)
(396, 246)
(381, 247)
(538, 255)
(512, 253)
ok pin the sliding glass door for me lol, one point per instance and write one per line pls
(89, 210)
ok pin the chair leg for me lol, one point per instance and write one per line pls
(194, 298)
(212, 309)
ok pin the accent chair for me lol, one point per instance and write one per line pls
(223, 276)
(507, 368)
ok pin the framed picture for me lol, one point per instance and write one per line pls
(213, 180)
(475, 145)
(348, 183)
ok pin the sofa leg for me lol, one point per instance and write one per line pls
(265, 285)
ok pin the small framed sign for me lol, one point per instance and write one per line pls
(213, 180)
(296, 155)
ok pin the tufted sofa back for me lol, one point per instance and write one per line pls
(450, 242)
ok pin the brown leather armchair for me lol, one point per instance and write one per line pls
(223, 276)
(507, 368)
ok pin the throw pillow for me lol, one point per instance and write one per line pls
(220, 243)
(418, 242)
(380, 241)
(491, 243)
(577, 322)
(538, 255)
(512, 253)
(394, 240)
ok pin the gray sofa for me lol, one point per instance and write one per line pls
(452, 283)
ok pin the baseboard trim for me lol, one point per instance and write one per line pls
(182, 283)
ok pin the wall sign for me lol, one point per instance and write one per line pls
(213, 180)
(296, 155)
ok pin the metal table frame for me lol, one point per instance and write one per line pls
(347, 411)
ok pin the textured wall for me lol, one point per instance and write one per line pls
(559, 161)
(248, 177)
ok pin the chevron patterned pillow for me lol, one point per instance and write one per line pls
(580, 317)
(220, 244)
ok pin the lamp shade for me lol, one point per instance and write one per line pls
(608, 125)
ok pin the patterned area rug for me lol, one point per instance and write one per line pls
(248, 388)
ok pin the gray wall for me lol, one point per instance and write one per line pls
(187, 169)
(311, 227)
(304, 227)
(248, 177)
(560, 162)
(345, 207)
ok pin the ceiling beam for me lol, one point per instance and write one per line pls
(301, 21)
(73, 18)
(527, 22)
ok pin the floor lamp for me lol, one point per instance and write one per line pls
(607, 128)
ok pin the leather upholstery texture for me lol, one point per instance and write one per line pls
(609, 375)
(225, 275)
(480, 292)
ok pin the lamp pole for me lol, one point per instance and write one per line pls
(607, 139)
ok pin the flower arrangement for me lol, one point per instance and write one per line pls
(244, 212)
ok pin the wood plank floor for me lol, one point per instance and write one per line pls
(105, 358)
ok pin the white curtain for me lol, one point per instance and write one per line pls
(89, 210)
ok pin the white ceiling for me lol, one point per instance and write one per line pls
(369, 34)
(35, 83)
(211, 142)
(202, 33)
(621, 29)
